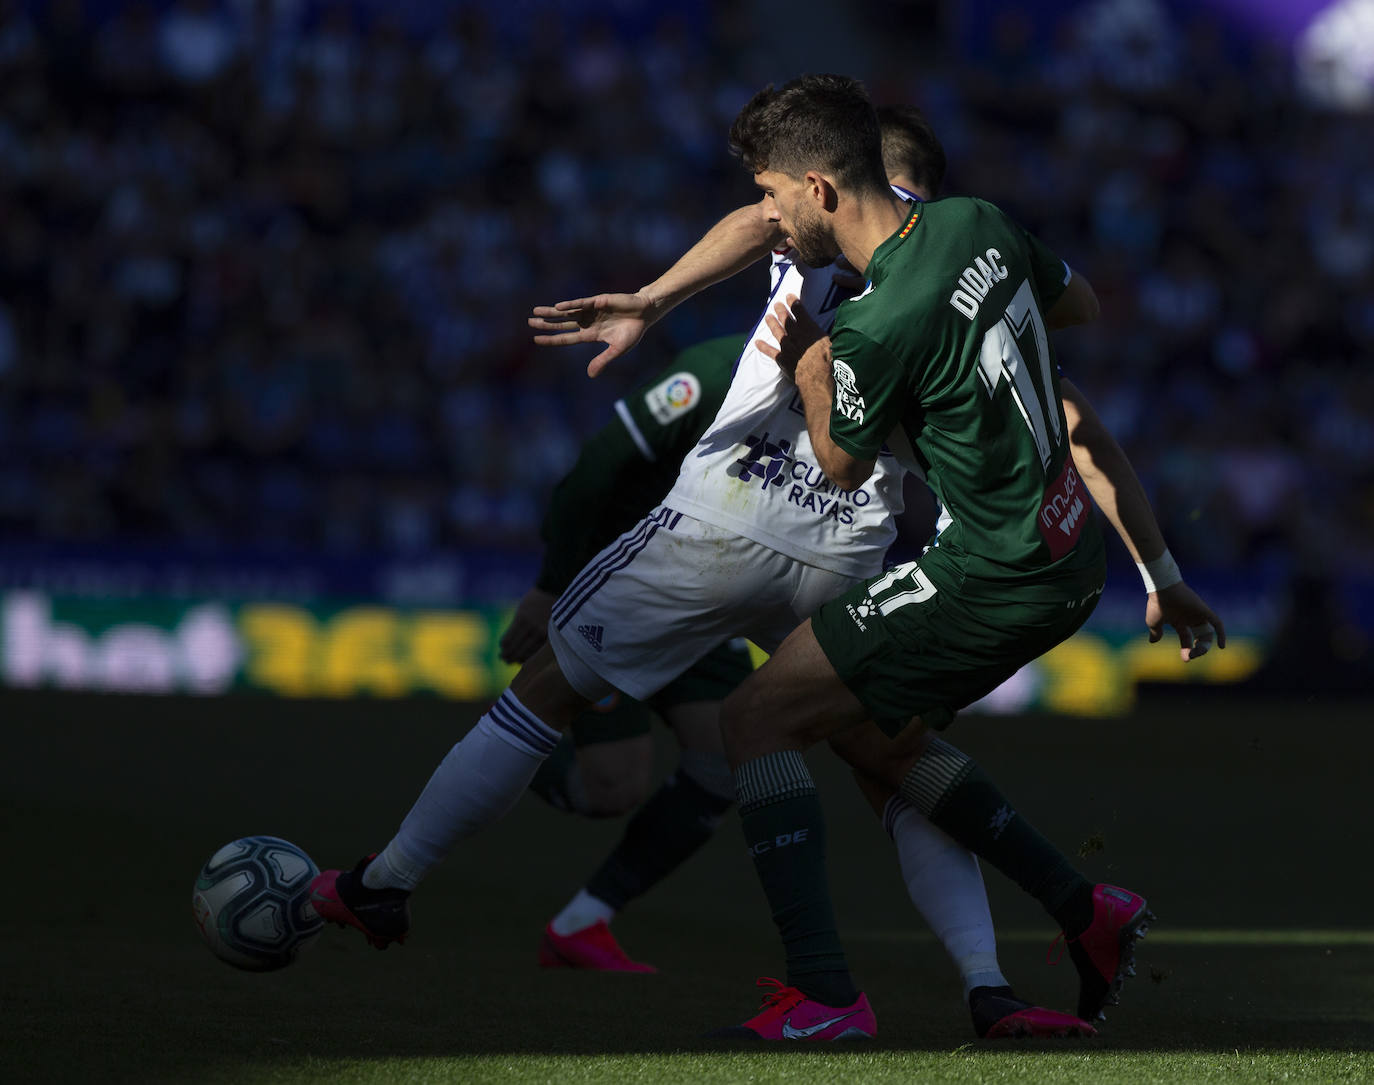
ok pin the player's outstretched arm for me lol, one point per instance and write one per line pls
(1109, 476)
(620, 320)
(1115, 487)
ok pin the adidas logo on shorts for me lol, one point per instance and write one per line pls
(592, 635)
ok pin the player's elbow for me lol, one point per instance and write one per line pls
(846, 472)
(1077, 305)
(851, 481)
(1089, 308)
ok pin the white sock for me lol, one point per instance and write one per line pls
(479, 780)
(947, 888)
(581, 912)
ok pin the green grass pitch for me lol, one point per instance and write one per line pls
(1244, 821)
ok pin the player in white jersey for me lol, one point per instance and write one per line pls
(662, 595)
(761, 531)
(749, 501)
(780, 497)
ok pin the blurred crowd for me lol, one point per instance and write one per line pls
(265, 264)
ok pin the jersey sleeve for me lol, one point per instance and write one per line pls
(870, 394)
(666, 415)
(583, 505)
(1051, 274)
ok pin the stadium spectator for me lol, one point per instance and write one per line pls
(242, 239)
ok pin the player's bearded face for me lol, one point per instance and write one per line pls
(810, 238)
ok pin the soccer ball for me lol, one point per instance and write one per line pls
(252, 903)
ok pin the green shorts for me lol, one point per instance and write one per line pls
(710, 678)
(905, 648)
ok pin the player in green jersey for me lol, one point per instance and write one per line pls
(915, 163)
(621, 469)
(948, 342)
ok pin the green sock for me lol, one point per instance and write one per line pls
(662, 835)
(785, 831)
(958, 797)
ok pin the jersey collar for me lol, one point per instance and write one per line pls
(881, 253)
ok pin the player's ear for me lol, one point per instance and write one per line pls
(826, 195)
(820, 190)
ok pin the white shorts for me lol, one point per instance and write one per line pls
(667, 592)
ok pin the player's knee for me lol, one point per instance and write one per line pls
(613, 788)
(543, 688)
(878, 756)
(875, 792)
(710, 772)
(736, 714)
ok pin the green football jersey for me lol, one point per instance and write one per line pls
(628, 466)
(949, 342)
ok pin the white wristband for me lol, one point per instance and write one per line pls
(1160, 573)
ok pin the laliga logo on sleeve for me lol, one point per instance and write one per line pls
(673, 397)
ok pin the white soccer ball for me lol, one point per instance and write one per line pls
(252, 903)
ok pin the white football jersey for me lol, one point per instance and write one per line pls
(754, 472)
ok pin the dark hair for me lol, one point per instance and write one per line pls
(815, 122)
(910, 146)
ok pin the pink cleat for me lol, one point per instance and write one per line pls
(593, 948)
(339, 896)
(787, 1014)
(998, 1014)
(1104, 953)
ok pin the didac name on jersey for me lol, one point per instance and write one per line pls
(976, 280)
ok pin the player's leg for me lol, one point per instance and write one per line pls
(678, 818)
(478, 781)
(603, 765)
(619, 625)
(592, 649)
(669, 828)
(794, 700)
(607, 775)
(946, 886)
(972, 811)
(685, 811)
(1101, 923)
(969, 646)
(944, 883)
(483, 776)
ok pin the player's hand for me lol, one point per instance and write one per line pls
(795, 331)
(529, 627)
(1192, 619)
(618, 320)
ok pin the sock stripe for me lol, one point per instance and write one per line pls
(895, 808)
(772, 778)
(520, 724)
(939, 771)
